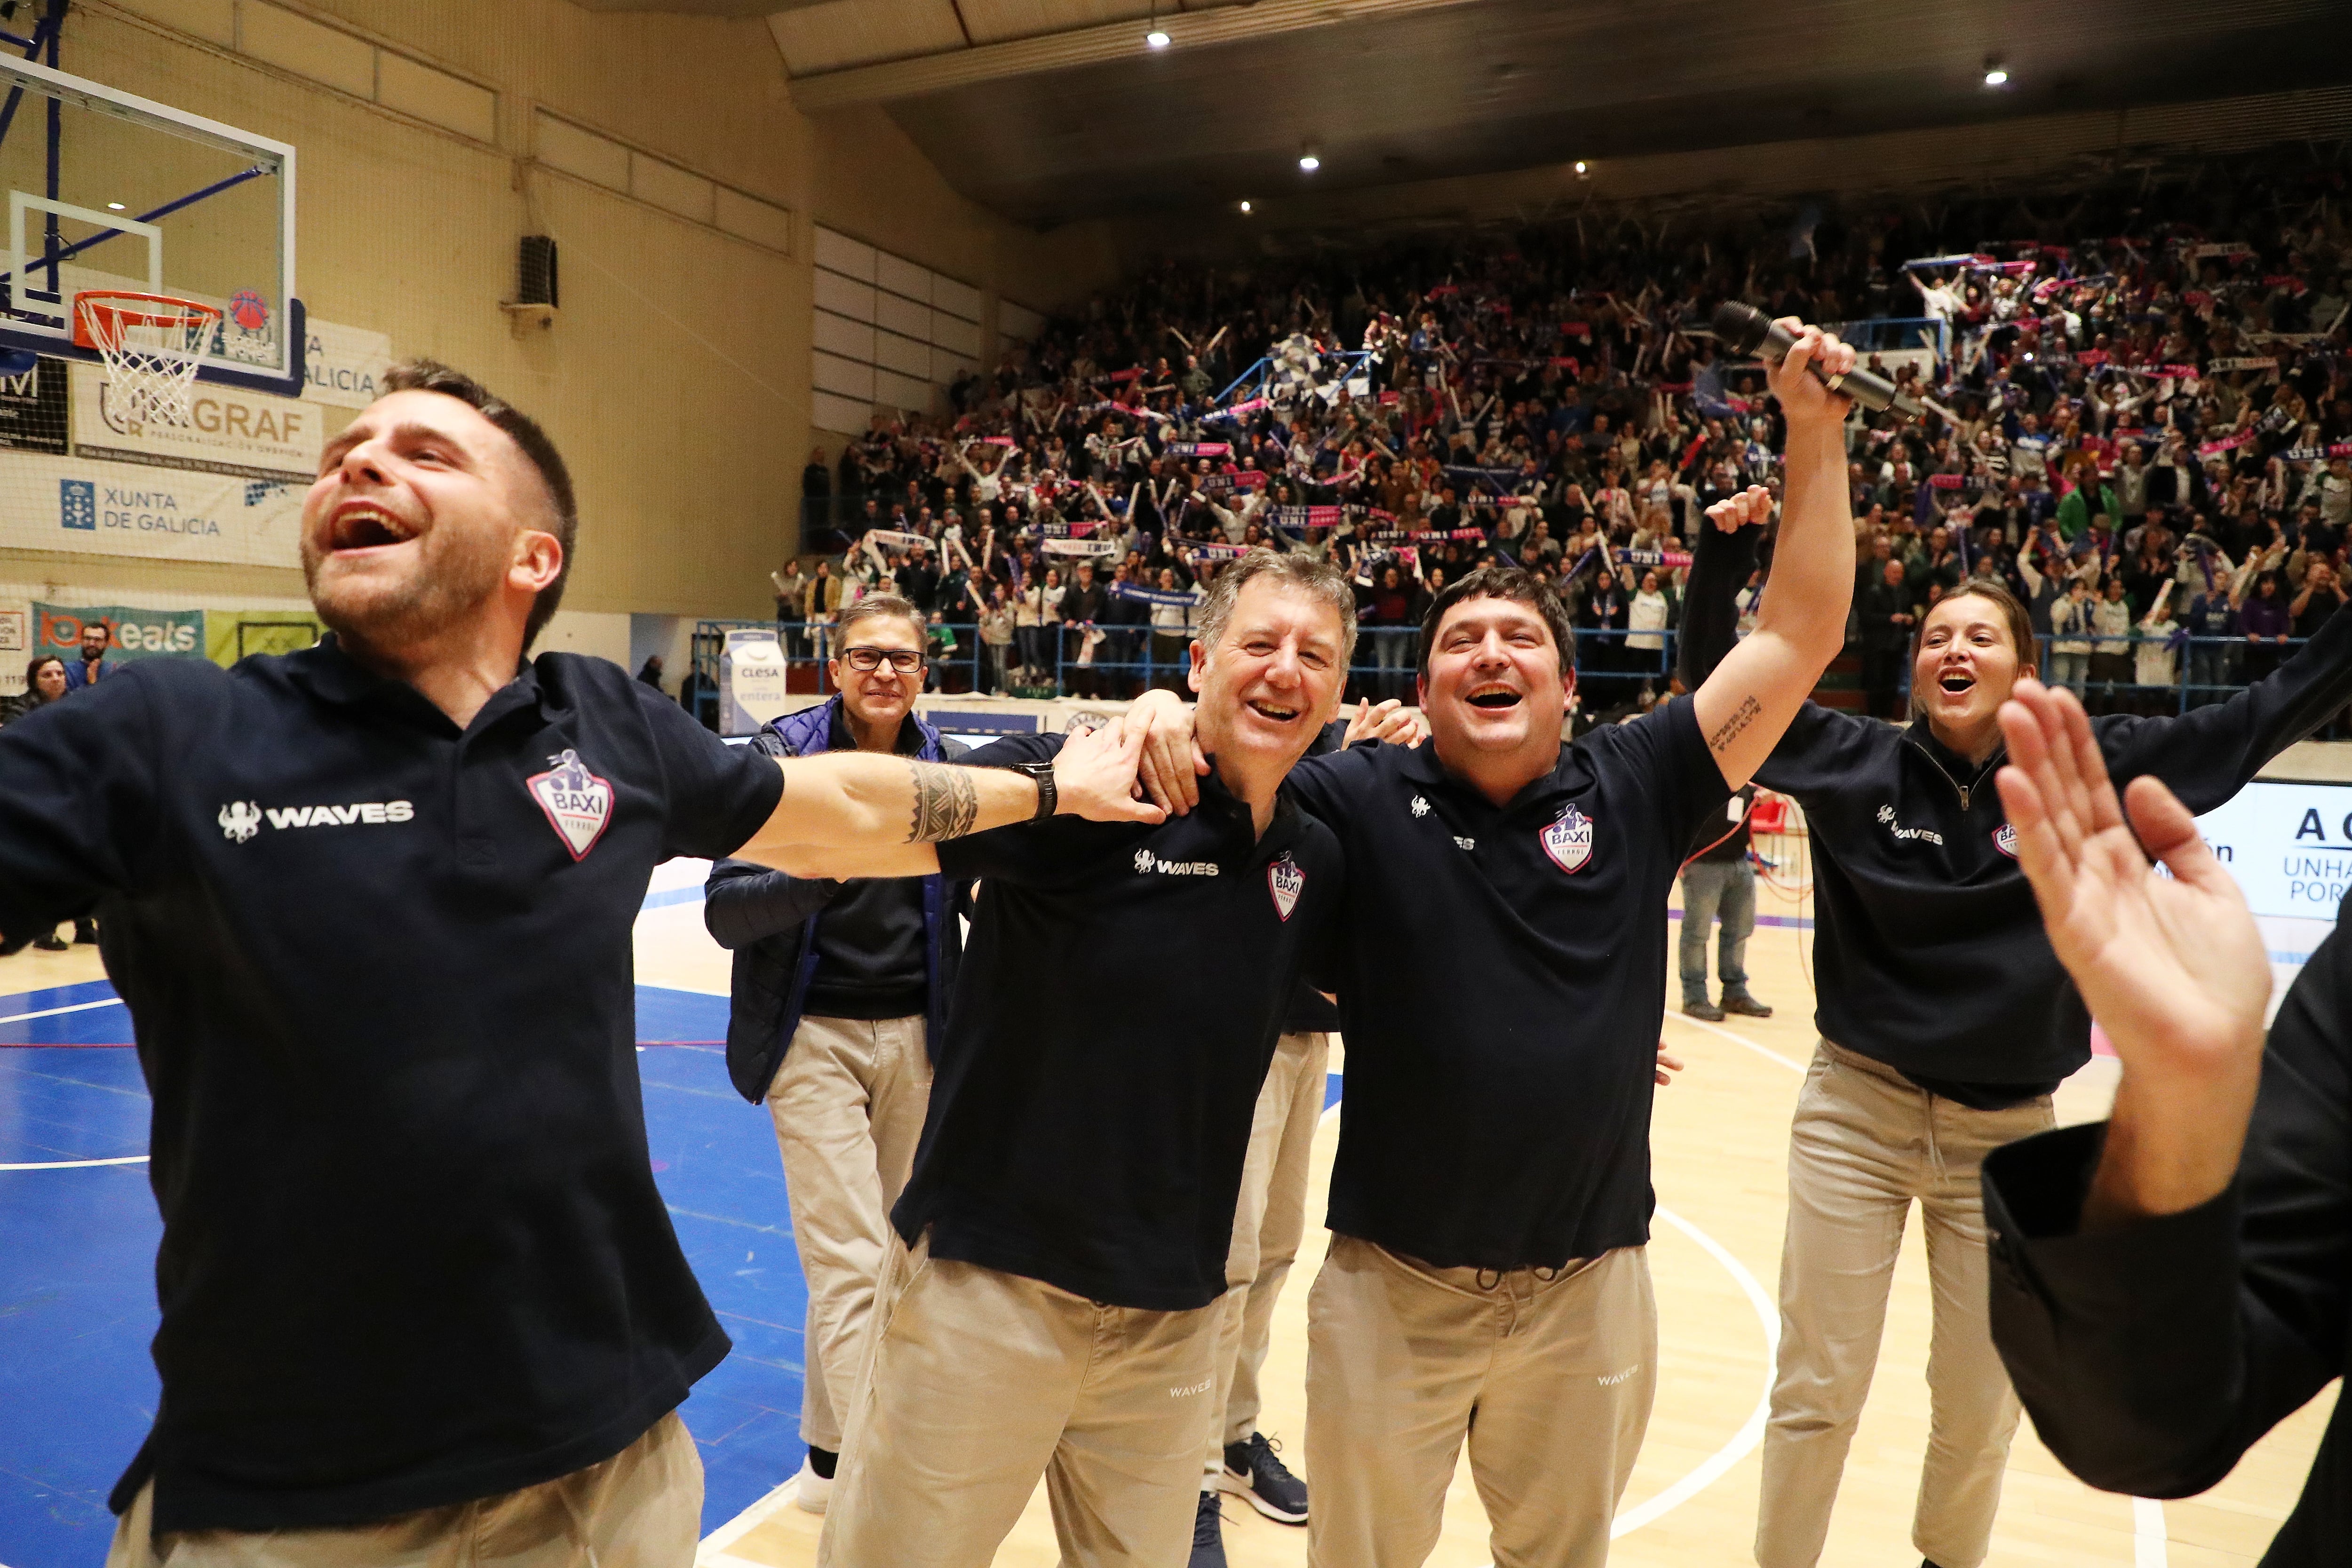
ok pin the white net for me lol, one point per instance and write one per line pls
(151, 344)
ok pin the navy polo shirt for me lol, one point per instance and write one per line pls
(1091, 1138)
(1501, 989)
(380, 974)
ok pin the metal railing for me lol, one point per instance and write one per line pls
(1611, 666)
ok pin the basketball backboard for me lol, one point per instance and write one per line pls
(108, 191)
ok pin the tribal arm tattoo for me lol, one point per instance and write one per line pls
(1746, 713)
(945, 802)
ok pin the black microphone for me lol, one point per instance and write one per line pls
(1749, 331)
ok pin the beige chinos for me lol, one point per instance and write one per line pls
(1268, 1224)
(640, 1509)
(1868, 1143)
(849, 1106)
(1547, 1374)
(980, 1382)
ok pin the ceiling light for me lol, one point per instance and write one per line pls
(1310, 157)
(114, 206)
(1996, 73)
(1580, 166)
(1245, 207)
(1157, 38)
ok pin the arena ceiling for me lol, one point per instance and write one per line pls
(1047, 111)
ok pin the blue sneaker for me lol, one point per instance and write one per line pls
(1208, 1535)
(1258, 1478)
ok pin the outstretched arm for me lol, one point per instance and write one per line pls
(859, 814)
(1747, 702)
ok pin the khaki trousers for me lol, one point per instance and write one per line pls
(848, 1105)
(1549, 1375)
(1867, 1143)
(1268, 1224)
(980, 1382)
(640, 1509)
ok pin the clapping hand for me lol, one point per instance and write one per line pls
(2172, 967)
(1388, 723)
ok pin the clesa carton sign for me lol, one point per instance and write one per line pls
(131, 633)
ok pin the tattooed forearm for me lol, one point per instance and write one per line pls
(946, 803)
(1746, 713)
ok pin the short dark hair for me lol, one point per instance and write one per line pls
(431, 375)
(1514, 583)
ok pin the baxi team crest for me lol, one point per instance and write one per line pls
(578, 804)
(1568, 841)
(2004, 839)
(1286, 880)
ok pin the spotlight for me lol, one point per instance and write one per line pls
(1996, 73)
(1310, 158)
(1157, 38)
(1581, 170)
(1245, 207)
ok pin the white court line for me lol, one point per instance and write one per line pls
(1735, 1039)
(713, 1553)
(2148, 1537)
(53, 1012)
(76, 1164)
(1743, 1442)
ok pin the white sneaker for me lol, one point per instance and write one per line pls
(813, 1490)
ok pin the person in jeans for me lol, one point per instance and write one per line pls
(1719, 879)
(2070, 627)
(839, 989)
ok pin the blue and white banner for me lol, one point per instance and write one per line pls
(152, 514)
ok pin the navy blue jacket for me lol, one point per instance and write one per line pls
(769, 920)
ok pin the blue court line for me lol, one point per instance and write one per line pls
(662, 900)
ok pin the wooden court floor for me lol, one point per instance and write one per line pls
(1720, 1146)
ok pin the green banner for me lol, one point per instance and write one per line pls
(131, 633)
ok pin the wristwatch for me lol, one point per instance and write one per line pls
(1048, 796)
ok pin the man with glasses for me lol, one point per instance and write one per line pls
(839, 988)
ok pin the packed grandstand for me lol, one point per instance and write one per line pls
(2138, 386)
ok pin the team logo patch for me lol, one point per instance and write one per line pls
(1568, 841)
(2004, 839)
(1419, 806)
(1286, 880)
(240, 820)
(578, 804)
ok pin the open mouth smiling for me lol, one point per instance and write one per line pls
(1272, 712)
(1494, 697)
(365, 527)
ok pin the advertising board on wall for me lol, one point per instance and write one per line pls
(33, 408)
(2289, 848)
(132, 633)
(344, 367)
(227, 430)
(152, 514)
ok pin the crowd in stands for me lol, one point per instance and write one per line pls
(2141, 425)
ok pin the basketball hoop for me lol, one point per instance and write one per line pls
(151, 344)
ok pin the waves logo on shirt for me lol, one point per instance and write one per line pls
(578, 804)
(1286, 880)
(1568, 841)
(2004, 839)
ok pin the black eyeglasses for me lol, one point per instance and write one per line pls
(866, 660)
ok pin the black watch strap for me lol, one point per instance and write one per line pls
(1048, 796)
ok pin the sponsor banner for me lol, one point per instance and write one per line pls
(2287, 846)
(344, 367)
(233, 635)
(1153, 596)
(227, 430)
(131, 632)
(33, 408)
(163, 514)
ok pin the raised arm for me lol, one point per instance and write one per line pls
(860, 813)
(1747, 702)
